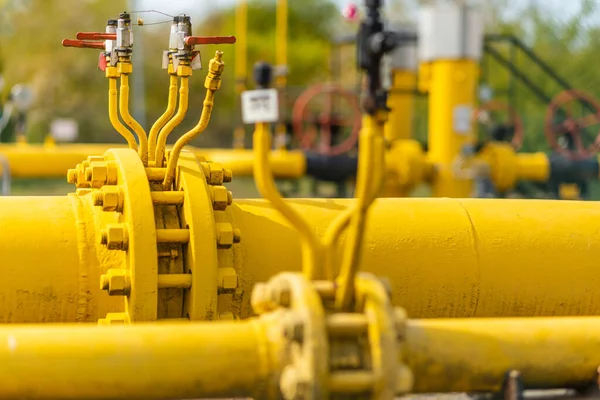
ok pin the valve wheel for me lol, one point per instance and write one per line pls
(304, 124)
(513, 115)
(572, 127)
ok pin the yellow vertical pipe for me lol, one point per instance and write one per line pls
(241, 66)
(401, 101)
(181, 361)
(452, 85)
(473, 355)
(281, 61)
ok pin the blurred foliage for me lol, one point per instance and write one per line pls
(68, 84)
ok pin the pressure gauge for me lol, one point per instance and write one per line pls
(22, 97)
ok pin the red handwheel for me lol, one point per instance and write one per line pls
(572, 126)
(314, 107)
(513, 118)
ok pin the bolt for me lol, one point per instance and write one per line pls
(97, 198)
(293, 328)
(227, 278)
(229, 197)
(115, 237)
(237, 235)
(293, 386)
(116, 281)
(260, 299)
(227, 175)
(225, 235)
(72, 176)
(112, 198)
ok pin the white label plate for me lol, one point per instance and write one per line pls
(461, 119)
(260, 106)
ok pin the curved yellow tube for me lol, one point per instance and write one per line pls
(207, 107)
(176, 120)
(160, 123)
(130, 121)
(370, 159)
(113, 114)
(264, 182)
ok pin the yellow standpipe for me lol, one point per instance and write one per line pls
(401, 101)
(247, 359)
(125, 68)
(469, 355)
(166, 116)
(212, 83)
(452, 86)
(241, 67)
(448, 257)
(281, 60)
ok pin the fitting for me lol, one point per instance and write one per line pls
(215, 70)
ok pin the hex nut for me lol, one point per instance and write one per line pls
(116, 281)
(220, 197)
(97, 173)
(225, 235)
(115, 237)
(112, 198)
(227, 278)
(215, 175)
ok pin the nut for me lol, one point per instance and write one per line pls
(220, 197)
(97, 173)
(237, 235)
(114, 318)
(72, 175)
(225, 236)
(215, 174)
(116, 281)
(227, 175)
(226, 316)
(112, 198)
(293, 328)
(227, 278)
(293, 385)
(115, 237)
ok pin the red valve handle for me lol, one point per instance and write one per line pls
(96, 36)
(82, 44)
(194, 40)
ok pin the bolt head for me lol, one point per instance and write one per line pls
(111, 198)
(227, 278)
(220, 198)
(97, 173)
(225, 236)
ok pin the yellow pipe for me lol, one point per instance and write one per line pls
(447, 257)
(241, 54)
(401, 101)
(473, 355)
(164, 118)
(367, 187)
(114, 115)
(266, 186)
(245, 359)
(452, 88)
(212, 84)
(40, 161)
(281, 60)
(130, 121)
(173, 123)
(533, 167)
(221, 359)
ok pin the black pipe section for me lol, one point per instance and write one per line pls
(336, 169)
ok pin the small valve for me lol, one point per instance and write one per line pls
(124, 43)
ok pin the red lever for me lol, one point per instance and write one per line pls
(194, 40)
(82, 44)
(96, 36)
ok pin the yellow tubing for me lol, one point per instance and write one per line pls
(130, 121)
(183, 361)
(473, 355)
(266, 186)
(207, 107)
(367, 187)
(447, 257)
(401, 101)
(114, 115)
(533, 167)
(172, 124)
(164, 118)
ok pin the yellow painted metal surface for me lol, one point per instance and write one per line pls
(401, 101)
(161, 361)
(406, 167)
(452, 85)
(448, 258)
(284, 164)
(473, 355)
